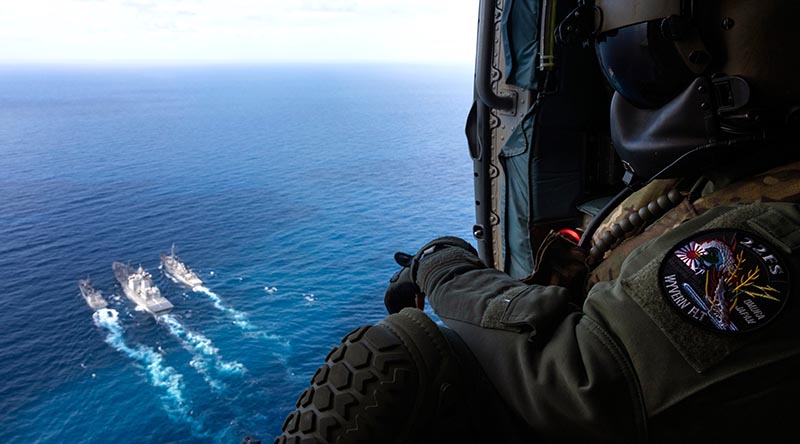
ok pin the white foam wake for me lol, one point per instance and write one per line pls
(239, 318)
(202, 349)
(160, 375)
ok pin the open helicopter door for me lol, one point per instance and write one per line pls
(537, 131)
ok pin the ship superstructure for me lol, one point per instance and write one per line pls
(177, 270)
(92, 296)
(137, 284)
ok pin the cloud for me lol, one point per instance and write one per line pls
(336, 7)
(401, 30)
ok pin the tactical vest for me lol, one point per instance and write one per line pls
(780, 184)
(671, 294)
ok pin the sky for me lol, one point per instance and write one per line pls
(425, 31)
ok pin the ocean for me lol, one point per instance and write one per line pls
(286, 187)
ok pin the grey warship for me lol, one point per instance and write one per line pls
(139, 288)
(177, 270)
(92, 297)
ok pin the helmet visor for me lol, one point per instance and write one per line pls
(642, 65)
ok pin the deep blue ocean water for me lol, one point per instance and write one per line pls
(286, 187)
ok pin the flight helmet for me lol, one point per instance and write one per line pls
(694, 81)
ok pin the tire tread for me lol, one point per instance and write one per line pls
(356, 395)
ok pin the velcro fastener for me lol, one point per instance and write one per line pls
(782, 228)
(701, 348)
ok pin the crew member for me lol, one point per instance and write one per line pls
(686, 322)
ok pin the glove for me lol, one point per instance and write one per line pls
(402, 291)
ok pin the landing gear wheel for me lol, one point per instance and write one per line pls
(383, 384)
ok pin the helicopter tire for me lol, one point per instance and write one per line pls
(382, 384)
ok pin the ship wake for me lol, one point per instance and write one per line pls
(159, 375)
(239, 318)
(203, 351)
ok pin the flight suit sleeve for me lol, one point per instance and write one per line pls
(561, 371)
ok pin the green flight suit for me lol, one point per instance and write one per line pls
(620, 364)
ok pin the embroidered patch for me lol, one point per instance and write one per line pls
(729, 281)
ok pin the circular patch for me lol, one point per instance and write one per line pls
(725, 280)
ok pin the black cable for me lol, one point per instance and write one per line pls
(602, 214)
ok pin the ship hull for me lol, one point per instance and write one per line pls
(92, 297)
(187, 278)
(185, 282)
(191, 283)
(156, 306)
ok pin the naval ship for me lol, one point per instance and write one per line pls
(93, 297)
(138, 287)
(178, 271)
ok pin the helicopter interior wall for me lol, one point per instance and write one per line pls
(519, 28)
(515, 159)
(559, 156)
(520, 41)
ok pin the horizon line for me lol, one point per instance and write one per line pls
(231, 61)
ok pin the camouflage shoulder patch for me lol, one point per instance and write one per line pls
(725, 280)
(780, 184)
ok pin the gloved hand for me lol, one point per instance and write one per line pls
(402, 291)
